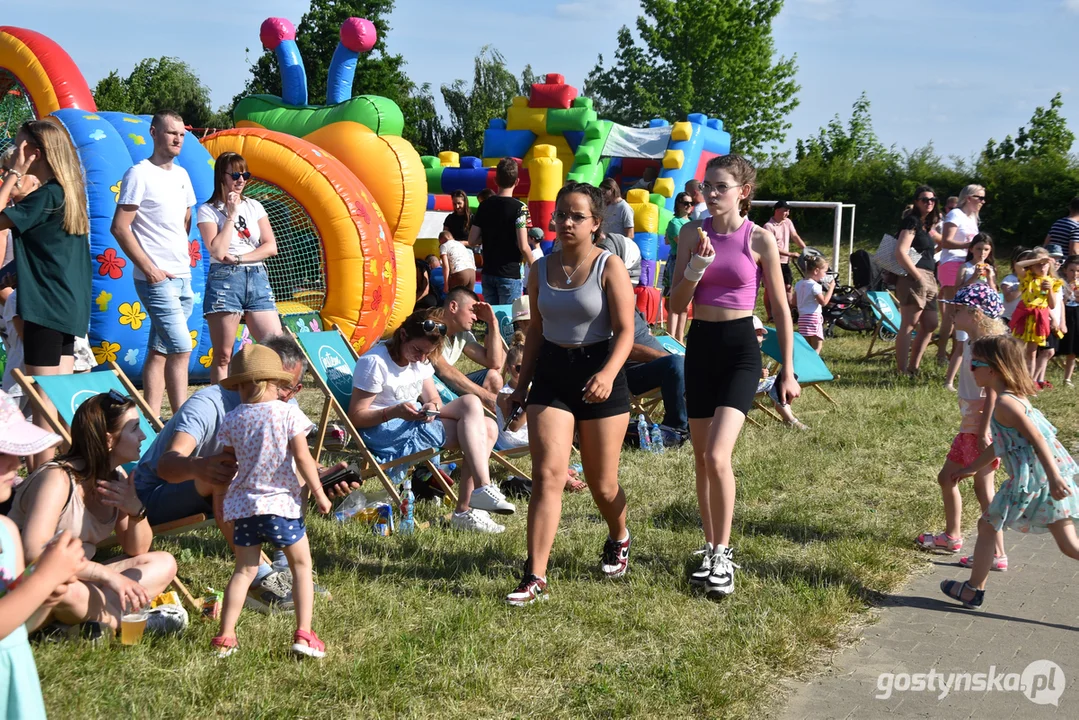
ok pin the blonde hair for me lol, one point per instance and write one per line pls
(986, 326)
(516, 351)
(1005, 355)
(816, 262)
(59, 155)
(966, 193)
(253, 392)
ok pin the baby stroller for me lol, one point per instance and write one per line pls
(848, 309)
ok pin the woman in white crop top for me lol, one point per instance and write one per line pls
(960, 228)
(237, 232)
(579, 337)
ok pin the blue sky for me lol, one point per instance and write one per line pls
(953, 72)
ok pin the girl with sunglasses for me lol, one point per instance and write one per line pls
(676, 322)
(388, 380)
(237, 232)
(1040, 493)
(917, 290)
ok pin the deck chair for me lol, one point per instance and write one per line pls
(333, 361)
(808, 365)
(504, 315)
(888, 319)
(67, 393)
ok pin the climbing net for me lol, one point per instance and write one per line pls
(15, 108)
(296, 272)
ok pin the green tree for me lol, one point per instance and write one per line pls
(710, 56)
(157, 84)
(491, 92)
(429, 134)
(853, 142)
(1045, 137)
(528, 79)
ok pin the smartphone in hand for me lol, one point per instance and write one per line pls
(342, 475)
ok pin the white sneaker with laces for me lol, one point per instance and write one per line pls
(491, 499)
(700, 575)
(474, 520)
(721, 579)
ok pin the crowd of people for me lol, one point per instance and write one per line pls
(237, 449)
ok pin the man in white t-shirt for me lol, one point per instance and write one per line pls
(461, 309)
(700, 207)
(152, 224)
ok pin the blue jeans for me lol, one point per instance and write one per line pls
(669, 375)
(166, 501)
(500, 290)
(169, 304)
(238, 289)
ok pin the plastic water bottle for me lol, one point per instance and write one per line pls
(642, 433)
(355, 502)
(408, 522)
(656, 439)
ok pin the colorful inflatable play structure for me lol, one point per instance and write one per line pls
(558, 136)
(350, 200)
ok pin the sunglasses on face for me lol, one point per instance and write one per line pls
(979, 198)
(238, 175)
(517, 368)
(927, 199)
(430, 326)
(975, 364)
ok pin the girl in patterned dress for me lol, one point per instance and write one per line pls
(264, 501)
(1040, 493)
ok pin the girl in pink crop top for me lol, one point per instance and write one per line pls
(732, 281)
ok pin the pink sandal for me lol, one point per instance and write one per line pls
(314, 648)
(224, 646)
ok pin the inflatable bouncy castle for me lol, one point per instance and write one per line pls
(558, 136)
(343, 190)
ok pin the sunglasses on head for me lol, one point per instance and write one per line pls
(430, 326)
(115, 397)
(238, 175)
(975, 364)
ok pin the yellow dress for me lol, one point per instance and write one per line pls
(1030, 322)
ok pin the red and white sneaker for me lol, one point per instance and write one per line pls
(615, 559)
(943, 542)
(530, 590)
(1000, 562)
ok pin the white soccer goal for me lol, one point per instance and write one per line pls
(837, 209)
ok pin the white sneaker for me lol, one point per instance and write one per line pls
(474, 520)
(491, 499)
(721, 579)
(700, 575)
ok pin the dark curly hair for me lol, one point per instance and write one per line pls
(595, 199)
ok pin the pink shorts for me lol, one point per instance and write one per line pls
(965, 450)
(811, 325)
(948, 273)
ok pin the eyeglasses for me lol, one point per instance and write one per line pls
(975, 364)
(718, 188)
(238, 175)
(430, 326)
(115, 397)
(577, 218)
(291, 390)
(927, 199)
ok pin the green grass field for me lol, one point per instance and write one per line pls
(417, 627)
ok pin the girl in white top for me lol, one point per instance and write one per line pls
(458, 263)
(980, 267)
(813, 293)
(388, 380)
(237, 232)
(960, 228)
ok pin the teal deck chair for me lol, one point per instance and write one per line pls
(504, 315)
(333, 362)
(67, 393)
(808, 365)
(888, 319)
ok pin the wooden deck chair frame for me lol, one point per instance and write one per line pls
(175, 527)
(371, 465)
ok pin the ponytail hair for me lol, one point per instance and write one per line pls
(516, 351)
(743, 173)
(94, 420)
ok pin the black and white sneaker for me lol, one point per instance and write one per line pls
(699, 577)
(615, 559)
(721, 579)
(530, 590)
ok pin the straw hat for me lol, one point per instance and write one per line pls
(255, 363)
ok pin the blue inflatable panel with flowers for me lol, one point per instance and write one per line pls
(108, 144)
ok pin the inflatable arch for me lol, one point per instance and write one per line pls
(357, 255)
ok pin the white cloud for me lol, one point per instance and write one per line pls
(1071, 5)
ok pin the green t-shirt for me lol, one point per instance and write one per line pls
(53, 267)
(673, 228)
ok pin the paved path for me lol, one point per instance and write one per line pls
(1031, 614)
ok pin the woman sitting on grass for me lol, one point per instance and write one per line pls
(85, 492)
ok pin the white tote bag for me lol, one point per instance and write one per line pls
(885, 256)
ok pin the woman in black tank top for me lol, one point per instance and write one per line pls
(578, 386)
